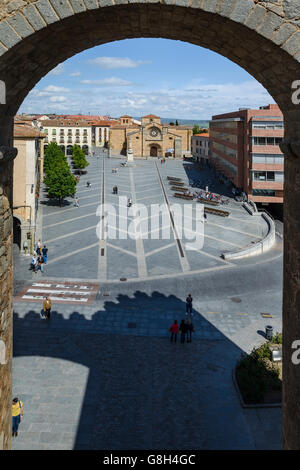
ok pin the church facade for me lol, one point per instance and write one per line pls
(150, 138)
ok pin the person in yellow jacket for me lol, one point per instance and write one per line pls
(17, 414)
(47, 307)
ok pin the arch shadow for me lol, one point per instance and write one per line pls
(143, 392)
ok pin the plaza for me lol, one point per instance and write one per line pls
(114, 349)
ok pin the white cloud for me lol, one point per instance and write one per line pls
(75, 74)
(112, 81)
(194, 100)
(116, 62)
(57, 99)
(58, 70)
(56, 89)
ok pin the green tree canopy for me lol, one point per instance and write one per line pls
(58, 177)
(79, 157)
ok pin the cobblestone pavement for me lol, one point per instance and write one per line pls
(104, 375)
(70, 232)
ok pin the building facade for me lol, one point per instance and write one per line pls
(245, 149)
(67, 132)
(28, 175)
(200, 147)
(151, 138)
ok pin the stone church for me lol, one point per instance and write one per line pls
(150, 138)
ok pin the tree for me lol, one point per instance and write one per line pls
(196, 129)
(171, 123)
(176, 124)
(60, 182)
(79, 157)
(58, 178)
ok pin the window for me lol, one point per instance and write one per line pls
(53, 131)
(268, 158)
(263, 192)
(267, 125)
(266, 140)
(264, 175)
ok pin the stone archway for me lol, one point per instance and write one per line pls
(263, 38)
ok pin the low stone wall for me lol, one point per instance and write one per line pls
(257, 248)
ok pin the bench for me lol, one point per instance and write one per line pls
(183, 196)
(176, 183)
(179, 188)
(207, 201)
(211, 210)
(174, 179)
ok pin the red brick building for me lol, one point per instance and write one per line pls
(245, 148)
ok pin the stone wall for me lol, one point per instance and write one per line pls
(6, 287)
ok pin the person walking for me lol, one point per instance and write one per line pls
(182, 330)
(17, 415)
(76, 203)
(189, 305)
(174, 331)
(47, 307)
(45, 254)
(190, 330)
(38, 247)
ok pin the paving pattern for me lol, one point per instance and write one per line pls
(102, 373)
(71, 233)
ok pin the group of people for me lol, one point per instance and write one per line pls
(39, 257)
(186, 327)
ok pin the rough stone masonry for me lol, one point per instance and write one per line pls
(263, 37)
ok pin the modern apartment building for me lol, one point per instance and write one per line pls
(245, 149)
(67, 132)
(200, 147)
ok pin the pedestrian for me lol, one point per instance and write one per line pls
(174, 331)
(17, 415)
(47, 307)
(39, 265)
(190, 330)
(38, 247)
(189, 305)
(76, 203)
(33, 262)
(182, 330)
(45, 254)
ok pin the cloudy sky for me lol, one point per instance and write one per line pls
(140, 76)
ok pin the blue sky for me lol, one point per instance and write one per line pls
(141, 76)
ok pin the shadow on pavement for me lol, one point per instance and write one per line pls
(142, 391)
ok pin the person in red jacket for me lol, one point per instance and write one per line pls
(174, 331)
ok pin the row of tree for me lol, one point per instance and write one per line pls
(58, 177)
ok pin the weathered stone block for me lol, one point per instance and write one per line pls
(210, 5)
(91, 4)
(105, 3)
(270, 25)
(47, 11)
(7, 35)
(291, 8)
(20, 25)
(285, 31)
(256, 16)
(62, 8)
(242, 10)
(292, 46)
(226, 7)
(78, 5)
(34, 17)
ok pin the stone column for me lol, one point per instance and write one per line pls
(291, 293)
(7, 155)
